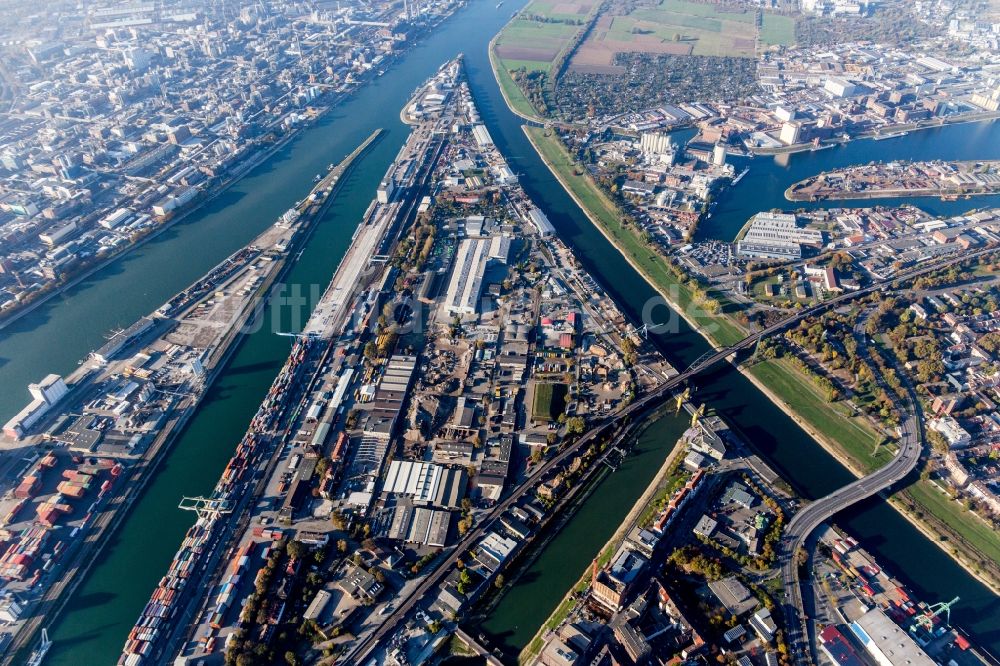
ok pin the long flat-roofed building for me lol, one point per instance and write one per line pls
(426, 483)
(471, 261)
(777, 236)
(46, 393)
(419, 525)
(887, 642)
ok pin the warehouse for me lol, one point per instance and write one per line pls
(886, 642)
(471, 262)
(777, 236)
(419, 525)
(426, 483)
(541, 222)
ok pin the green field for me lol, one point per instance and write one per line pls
(854, 435)
(709, 28)
(980, 535)
(548, 10)
(512, 92)
(549, 401)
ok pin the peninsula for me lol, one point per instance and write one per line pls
(948, 180)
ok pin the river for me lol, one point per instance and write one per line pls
(769, 177)
(57, 335)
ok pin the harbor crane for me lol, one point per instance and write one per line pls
(38, 654)
(301, 336)
(926, 620)
(206, 507)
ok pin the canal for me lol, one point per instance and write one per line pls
(55, 337)
(101, 612)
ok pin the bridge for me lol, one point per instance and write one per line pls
(626, 421)
(799, 627)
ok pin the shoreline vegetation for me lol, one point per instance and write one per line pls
(814, 414)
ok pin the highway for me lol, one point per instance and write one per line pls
(804, 522)
(800, 634)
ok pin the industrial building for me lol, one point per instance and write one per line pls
(611, 586)
(482, 136)
(420, 525)
(777, 236)
(471, 262)
(541, 222)
(426, 483)
(656, 143)
(886, 642)
(46, 393)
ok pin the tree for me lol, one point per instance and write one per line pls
(575, 425)
(291, 659)
(296, 549)
(499, 582)
(342, 546)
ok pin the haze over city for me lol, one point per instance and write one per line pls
(500, 332)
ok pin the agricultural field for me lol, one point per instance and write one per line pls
(534, 39)
(678, 27)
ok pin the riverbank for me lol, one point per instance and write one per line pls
(537, 643)
(512, 95)
(895, 131)
(545, 146)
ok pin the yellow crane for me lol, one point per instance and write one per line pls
(698, 413)
(682, 398)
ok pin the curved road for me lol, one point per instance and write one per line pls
(804, 522)
(798, 624)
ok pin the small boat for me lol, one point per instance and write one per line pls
(740, 176)
(317, 178)
(500, 4)
(895, 135)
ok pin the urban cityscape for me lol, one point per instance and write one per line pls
(519, 332)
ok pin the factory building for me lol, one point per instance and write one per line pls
(419, 525)
(886, 642)
(426, 483)
(655, 143)
(777, 236)
(471, 261)
(482, 136)
(541, 222)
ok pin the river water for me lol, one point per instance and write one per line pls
(56, 336)
(769, 177)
